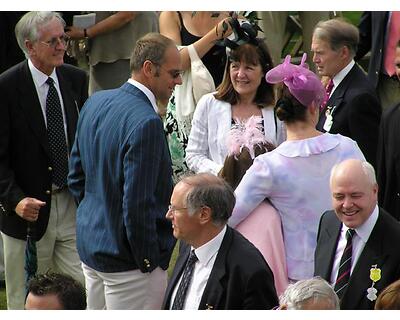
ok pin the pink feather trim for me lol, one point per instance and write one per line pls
(245, 134)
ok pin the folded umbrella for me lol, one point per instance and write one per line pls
(31, 265)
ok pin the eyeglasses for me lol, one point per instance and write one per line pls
(172, 209)
(53, 42)
(173, 73)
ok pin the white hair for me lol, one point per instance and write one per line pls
(317, 289)
(367, 168)
(29, 25)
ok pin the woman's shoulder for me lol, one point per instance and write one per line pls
(209, 98)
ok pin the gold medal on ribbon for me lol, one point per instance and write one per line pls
(375, 274)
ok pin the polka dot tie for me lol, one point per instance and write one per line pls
(56, 136)
(180, 297)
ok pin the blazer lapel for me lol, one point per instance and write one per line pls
(184, 251)
(214, 289)
(30, 105)
(327, 248)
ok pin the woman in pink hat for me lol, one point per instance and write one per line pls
(295, 175)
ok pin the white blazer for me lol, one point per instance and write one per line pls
(206, 150)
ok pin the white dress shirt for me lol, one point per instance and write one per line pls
(146, 91)
(360, 238)
(42, 88)
(206, 254)
(338, 78)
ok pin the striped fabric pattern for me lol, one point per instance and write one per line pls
(121, 176)
(343, 277)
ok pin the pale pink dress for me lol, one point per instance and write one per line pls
(263, 228)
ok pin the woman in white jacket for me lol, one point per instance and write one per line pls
(243, 93)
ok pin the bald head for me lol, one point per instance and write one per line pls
(354, 191)
(353, 166)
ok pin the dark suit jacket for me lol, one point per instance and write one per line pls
(357, 112)
(388, 171)
(121, 176)
(372, 29)
(240, 278)
(381, 249)
(25, 164)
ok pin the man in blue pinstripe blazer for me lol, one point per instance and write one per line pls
(120, 175)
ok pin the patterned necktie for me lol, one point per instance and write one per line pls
(56, 136)
(328, 91)
(343, 277)
(391, 42)
(185, 282)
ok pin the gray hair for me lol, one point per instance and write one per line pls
(338, 33)
(366, 167)
(152, 47)
(317, 289)
(210, 191)
(28, 27)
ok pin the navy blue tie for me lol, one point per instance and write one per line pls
(56, 136)
(180, 296)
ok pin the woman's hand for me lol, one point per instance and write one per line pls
(74, 32)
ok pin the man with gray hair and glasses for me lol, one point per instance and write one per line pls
(40, 102)
(309, 294)
(217, 267)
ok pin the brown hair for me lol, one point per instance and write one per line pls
(389, 298)
(236, 166)
(338, 33)
(151, 46)
(288, 108)
(253, 55)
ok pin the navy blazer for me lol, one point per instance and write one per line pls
(239, 279)
(25, 162)
(121, 177)
(380, 249)
(356, 112)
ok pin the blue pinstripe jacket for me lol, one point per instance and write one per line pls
(120, 176)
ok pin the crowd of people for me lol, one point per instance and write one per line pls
(280, 184)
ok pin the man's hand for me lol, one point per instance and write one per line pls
(28, 208)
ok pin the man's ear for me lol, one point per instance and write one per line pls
(205, 215)
(29, 46)
(148, 68)
(344, 52)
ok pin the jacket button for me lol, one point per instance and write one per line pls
(50, 168)
(48, 192)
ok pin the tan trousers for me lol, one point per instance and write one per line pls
(128, 290)
(56, 250)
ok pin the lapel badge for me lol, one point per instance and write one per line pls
(375, 276)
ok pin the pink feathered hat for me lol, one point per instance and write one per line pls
(302, 83)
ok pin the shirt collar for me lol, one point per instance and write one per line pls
(342, 73)
(146, 91)
(209, 249)
(364, 231)
(40, 78)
